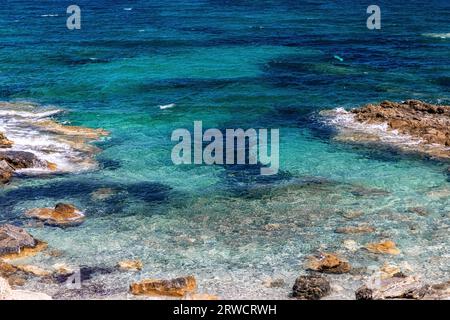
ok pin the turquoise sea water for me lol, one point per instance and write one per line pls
(230, 64)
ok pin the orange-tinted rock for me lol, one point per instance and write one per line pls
(328, 263)
(64, 215)
(178, 287)
(201, 297)
(130, 265)
(5, 142)
(52, 166)
(385, 247)
(26, 252)
(427, 122)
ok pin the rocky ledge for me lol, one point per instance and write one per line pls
(16, 242)
(412, 125)
(63, 215)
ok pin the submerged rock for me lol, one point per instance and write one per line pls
(130, 265)
(178, 287)
(64, 215)
(311, 287)
(385, 247)
(328, 263)
(102, 194)
(355, 229)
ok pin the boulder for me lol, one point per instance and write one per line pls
(5, 142)
(311, 287)
(178, 287)
(384, 247)
(63, 215)
(398, 287)
(22, 159)
(14, 239)
(6, 171)
(328, 263)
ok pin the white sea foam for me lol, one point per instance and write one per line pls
(437, 35)
(167, 106)
(25, 125)
(345, 122)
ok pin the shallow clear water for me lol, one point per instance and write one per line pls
(230, 64)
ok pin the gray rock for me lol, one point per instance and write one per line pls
(13, 239)
(311, 287)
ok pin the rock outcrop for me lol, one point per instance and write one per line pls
(4, 141)
(16, 242)
(428, 122)
(178, 287)
(328, 263)
(10, 161)
(402, 287)
(63, 215)
(311, 287)
(412, 126)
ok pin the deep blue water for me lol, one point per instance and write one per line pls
(231, 64)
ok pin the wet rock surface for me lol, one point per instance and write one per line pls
(14, 239)
(4, 141)
(311, 287)
(178, 287)
(416, 118)
(328, 263)
(402, 287)
(63, 215)
(383, 247)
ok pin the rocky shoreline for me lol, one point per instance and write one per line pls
(425, 122)
(411, 126)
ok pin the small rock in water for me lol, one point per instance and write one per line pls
(355, 229)
(64, 215)
(351, 245)
(352, 214)
(272, 227)
(393, 288)
(419, 210)
(274, 283)
(385, 247)
(311, 287)
(178, 287)
(328, 263)
(15, 242)
(389, 271)
(5, 142)
(130, 265)
(102, 194)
